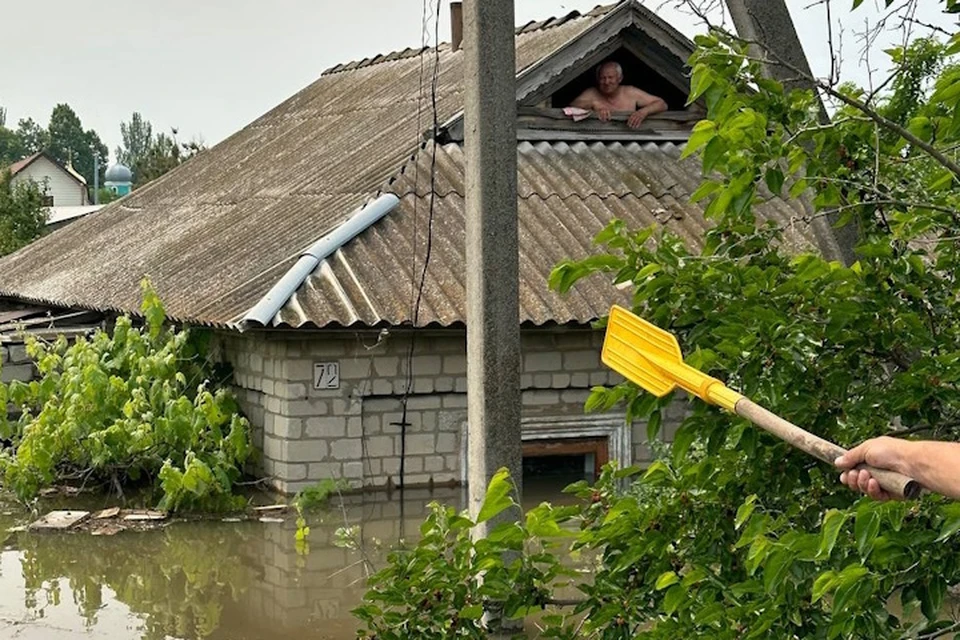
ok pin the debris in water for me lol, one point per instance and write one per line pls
(104, 514)
(271, 507)
(272, 520)
(140, 516)
(59, 520)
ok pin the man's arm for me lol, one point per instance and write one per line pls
(588, 100)
(935, 465)
(647, 105)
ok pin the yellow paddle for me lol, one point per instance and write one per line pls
(650, 357)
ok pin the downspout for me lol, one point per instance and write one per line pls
(269, 305)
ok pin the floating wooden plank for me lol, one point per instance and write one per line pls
(104, 514)
(272, 520)
(142, 516)
(59, 520)
(271, 507)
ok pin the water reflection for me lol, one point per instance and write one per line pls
(207, 580)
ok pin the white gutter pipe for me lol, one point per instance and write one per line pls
(269, 305)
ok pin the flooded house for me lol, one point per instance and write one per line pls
(324, 245)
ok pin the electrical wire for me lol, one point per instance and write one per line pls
(417, 300)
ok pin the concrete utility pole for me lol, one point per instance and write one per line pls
(768, 23)
(493, 314)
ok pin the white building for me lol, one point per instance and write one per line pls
(62, 186)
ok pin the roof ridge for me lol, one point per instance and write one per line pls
(529, 27)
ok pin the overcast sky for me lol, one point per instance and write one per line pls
(208, 67)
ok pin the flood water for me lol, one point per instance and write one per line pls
(209, 579)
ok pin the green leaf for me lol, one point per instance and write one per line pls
(498, 497)
(951, 521)
(774, 179)
(931, 597)
(708, 187)
(471, 612)
(775, 569)
(673, 598)
(745, 511)
(832, 523)
(866, 528)
(666, 579)
(824, 583)
(703, 132)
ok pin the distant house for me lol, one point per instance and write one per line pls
(62, 185)
(300, 240)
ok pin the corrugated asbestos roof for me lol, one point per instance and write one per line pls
(567, 194)
(216, 233)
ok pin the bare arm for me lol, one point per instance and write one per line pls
(935, 465)
(588, 100)
(647, 105)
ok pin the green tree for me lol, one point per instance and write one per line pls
(22, 215)
(166, 152)
(731, 534)
(68, 142)
(33, 137)
(137, 135)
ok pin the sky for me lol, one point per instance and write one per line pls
(209, 67)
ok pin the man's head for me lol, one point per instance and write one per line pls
(609, 77)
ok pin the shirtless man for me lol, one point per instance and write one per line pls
(610, 95)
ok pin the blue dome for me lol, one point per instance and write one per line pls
(119, 173)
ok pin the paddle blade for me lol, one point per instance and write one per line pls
(632, 347)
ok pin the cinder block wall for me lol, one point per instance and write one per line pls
(15, 364)
(353, 433)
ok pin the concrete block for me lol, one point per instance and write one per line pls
(386, 366)
(4, 355)
(540, 397)
(546, 361)
(421, 403)
(353, 470)
(382, 446)
(268, 386)
(414, 464)
(421, 444)
(586, 360)
(561, 380)
(428, 421)
(432, 464)
(542, 381)
(304, 408)
(526, 380)
(329, 427)
(287, 471)
(455, 365)
(318, 471)
(290, 390)
(272, 448)
(461, 385)
(580, 380)
(371, 424)
(305, 450)
(355, 427)
(447, 443)
(288, 428)
(598, 378)
(423, 385)
(273, 405)
(346, 449)
(374, 468)
(22, 372)
(455, 401)
(417, 478)
(298, 370)
(427, 365)
(18, 353)
(575, 396)
(256, 363)
(444, 384)
(356, 369)
(391, 466)
(382, 387)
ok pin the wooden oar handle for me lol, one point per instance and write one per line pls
(894, 483)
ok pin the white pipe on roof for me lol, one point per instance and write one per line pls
(269, 305)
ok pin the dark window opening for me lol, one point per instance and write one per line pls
(551, 465)
(48, 201)
(635, 72)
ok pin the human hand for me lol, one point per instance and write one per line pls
(882, 453)
(603, 114)
(636, 119)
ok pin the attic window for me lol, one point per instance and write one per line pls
(635, 73)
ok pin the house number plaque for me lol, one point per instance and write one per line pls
(326, 375)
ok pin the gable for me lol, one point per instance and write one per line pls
(653, 56)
